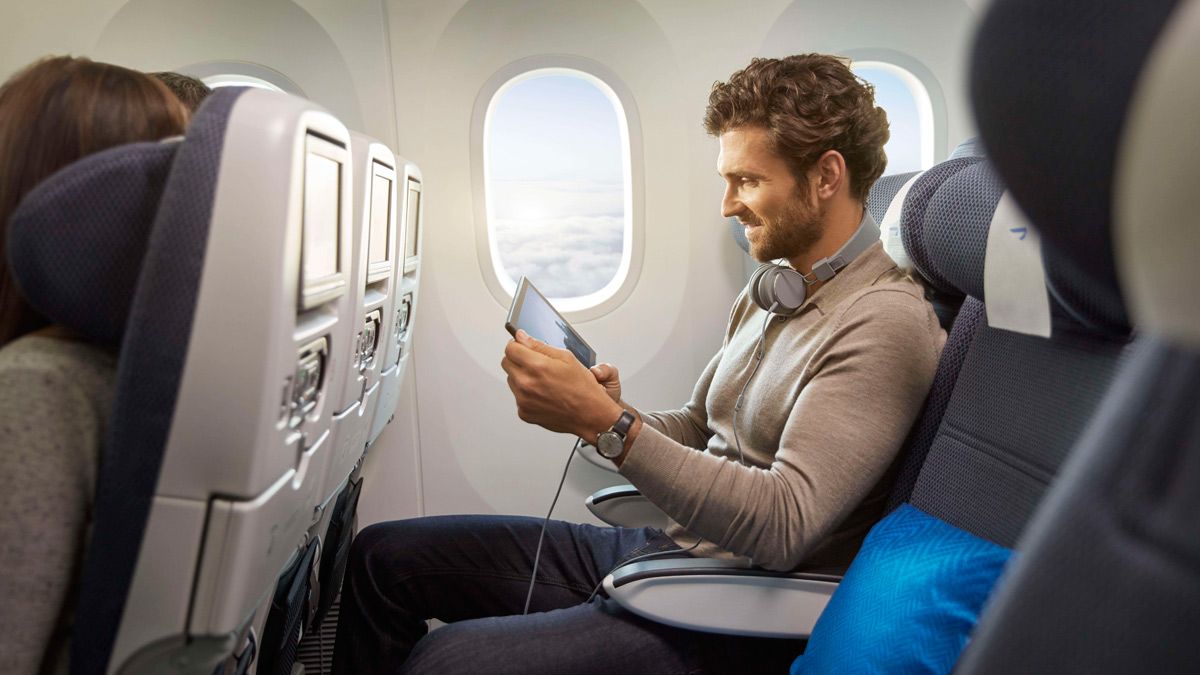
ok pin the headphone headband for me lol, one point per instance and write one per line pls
(867, 234)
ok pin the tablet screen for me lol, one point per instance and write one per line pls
(535, 315)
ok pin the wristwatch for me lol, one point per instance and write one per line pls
(610, 444)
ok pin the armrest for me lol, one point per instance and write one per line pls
(722, 596)
(624, 506)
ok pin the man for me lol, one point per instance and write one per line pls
(796, 482)
(190, 90)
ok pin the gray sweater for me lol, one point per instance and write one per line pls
(55, 396)
(840, 384)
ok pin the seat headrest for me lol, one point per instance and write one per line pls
(1051, 84)
(739, 235)
(912, 221)
(895, 188)
(955, 223)
(76, 241)
(972, 147)
(1156, 199)
(884, 191)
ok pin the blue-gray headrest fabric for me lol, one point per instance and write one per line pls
(738, 231)
(1051, 84)
(957, 218)
(76, 241)
(972, 147)
(149, 373)
(884, 191)
(912, 221)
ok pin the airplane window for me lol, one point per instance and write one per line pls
(557, 186)
(909, 111)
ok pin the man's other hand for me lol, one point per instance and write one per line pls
(608, 377)
(554, 391)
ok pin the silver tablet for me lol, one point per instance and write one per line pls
(533, 313)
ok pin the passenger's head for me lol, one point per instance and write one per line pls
(54, 112)
(808, 104)
(796, 133)
(189, 89)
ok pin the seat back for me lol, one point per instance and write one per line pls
(738, 232)
(972, 147)
(374, 248)
(375, 262)
(1109, 575)
(1007, 402)
(1017, 401)
(400, 332)
(214, 456)
(959, 315)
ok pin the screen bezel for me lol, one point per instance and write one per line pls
(518, 304)
(380, 271)
(412, 234)
(318, 291)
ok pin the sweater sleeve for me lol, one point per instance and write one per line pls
(687, 426)
(49, 437)
(865, 389)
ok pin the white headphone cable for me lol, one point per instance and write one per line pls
(538, 556)
(635, 558)
(758, 357)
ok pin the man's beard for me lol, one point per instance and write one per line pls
(794, 232)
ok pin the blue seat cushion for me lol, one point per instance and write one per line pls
(908, 602)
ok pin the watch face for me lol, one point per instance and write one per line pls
(609, 445)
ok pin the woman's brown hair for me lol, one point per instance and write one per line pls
(54, 112)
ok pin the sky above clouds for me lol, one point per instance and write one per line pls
(556, 185)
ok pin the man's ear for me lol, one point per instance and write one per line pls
(831, 174)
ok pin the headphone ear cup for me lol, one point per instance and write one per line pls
(757, 284)
(788, 290)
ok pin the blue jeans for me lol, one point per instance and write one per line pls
(473, 573)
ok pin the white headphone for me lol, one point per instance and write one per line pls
(781, 290)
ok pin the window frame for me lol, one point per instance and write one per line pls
(613, 294)
(922, 75)
(242, 73)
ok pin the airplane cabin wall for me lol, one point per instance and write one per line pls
(336, 51)
(409, 72)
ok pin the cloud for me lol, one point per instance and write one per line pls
(566, 236)
(555, 199)
(564, 257)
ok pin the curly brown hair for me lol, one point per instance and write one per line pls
(191, 90)
(809, 104)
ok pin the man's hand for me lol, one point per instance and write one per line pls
(608, 377)
(553, 390)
